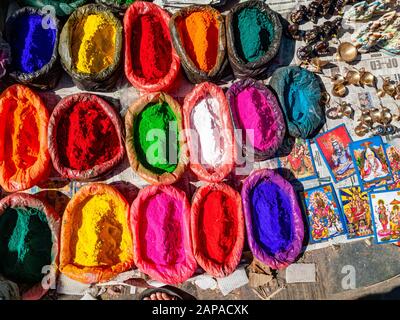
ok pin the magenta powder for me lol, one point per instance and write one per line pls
(253, 111)
(162, 230)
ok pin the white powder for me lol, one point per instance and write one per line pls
(205, 119)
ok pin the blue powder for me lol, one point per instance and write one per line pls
(32, 45)
(271, 215)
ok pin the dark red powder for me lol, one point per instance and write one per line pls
(86, 137)
(151, 52)
(218, 226)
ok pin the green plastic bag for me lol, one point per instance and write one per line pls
(62, 7)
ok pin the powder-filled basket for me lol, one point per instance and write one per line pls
(61, 7)
(24, 155)
(34, 48)
(217, 225)
(85, 137)
(299, 93)
(198, 35)
(154, 141)
(96, 239)
(29, 241)
(274, 222)
(151, 62)
(160, 221)
(210, 137)
(257, 118)
(91, 48)
(253, 36)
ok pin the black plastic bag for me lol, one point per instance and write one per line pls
(255, 69)
(193, 73)
(48, 76)
(104, 80)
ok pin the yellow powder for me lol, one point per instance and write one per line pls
(103, 238)
(93, 44)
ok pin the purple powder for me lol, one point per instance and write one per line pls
(254, 113)
(271, 215)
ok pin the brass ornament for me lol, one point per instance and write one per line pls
(353, 77)
(367, 78)
(347, 52)
(339, 90)
(361, 130)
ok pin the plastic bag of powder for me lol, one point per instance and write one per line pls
(193, 71)
(47, 77)
(22, 200)
(251, 69)
(106, 79)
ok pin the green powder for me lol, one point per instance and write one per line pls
(25, 244)
(254, 33)
(158, 153)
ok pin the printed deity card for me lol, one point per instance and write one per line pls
(334, 148)
(385, 206)
(323, 213)
(356, 212)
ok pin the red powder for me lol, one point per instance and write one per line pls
(151, 52)
(87, 137)
(218, 226)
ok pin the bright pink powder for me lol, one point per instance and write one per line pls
(253, 112)
(161, 231)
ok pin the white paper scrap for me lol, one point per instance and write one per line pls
(234, 281)
(301, 272)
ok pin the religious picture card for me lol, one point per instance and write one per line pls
(393, 155)
(323, 213)
(334, 148)
(300, 161)
(385, 207)
(356, 212)
(371, 163)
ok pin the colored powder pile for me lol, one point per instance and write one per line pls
(162, 229)
(297, 98)
(205, 119)
(32, 46)
(103, 237)
(87, 137)
(271, 215)
(254, 113)
(93, 43)
(253, 33)
(21, 144)
(151, 48)
(199, 34)
(25, 244)
(218, 226)
(156, 138)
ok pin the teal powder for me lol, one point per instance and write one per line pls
(254, 33)
(25, 244)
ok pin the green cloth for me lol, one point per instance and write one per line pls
(25, 244)
(156, 138)
(63, 7)
(254, 33)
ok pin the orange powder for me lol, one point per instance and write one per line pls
(199, 34)
(23, 122)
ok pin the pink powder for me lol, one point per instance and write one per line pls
(253, 112)
(161, 231)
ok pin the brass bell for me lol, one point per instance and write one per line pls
(361, 130)
(381, 93)
(338, 79)
(347, 52)
(386, 116)
(367, 78)
(389, 87)
(366, 118)
(376, 115)
(325, 98)
(347, 110)
(353, 77)
(339, 90)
